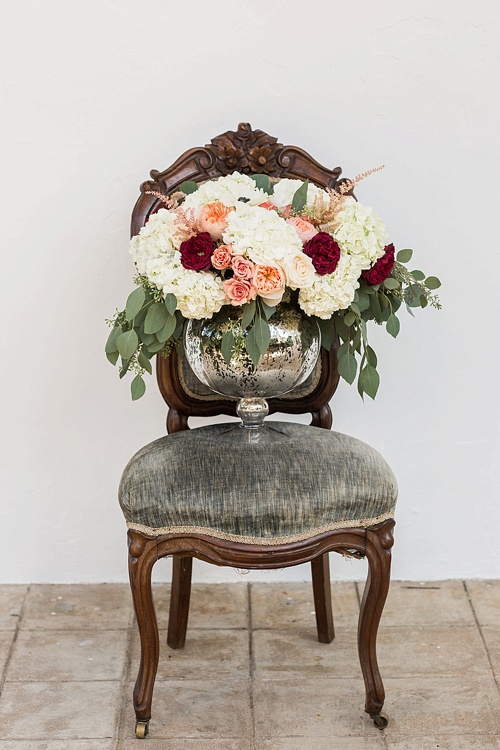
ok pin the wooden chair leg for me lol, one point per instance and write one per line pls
(379, 541)
(142, 557)
(320, 568)
(179, 601)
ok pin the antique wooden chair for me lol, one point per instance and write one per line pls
(163, 496)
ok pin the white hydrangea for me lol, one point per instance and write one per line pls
(260, 235)
(199, 293)
(154, 242)
(361, 233)
(228, 190)
(285, 189)
(332, 292)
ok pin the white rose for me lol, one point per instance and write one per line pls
(299, 271)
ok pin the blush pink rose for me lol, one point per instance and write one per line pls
(222, 257)
(213, 219)
(269, 282)
(242, 267)
(304, 229)
(238, 292)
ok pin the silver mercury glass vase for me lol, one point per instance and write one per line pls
(288, 361)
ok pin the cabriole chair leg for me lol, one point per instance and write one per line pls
(142, 557)
(379, 541)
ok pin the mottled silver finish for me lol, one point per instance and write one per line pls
(290, 357)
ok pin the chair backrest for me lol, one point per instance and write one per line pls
(250, 152)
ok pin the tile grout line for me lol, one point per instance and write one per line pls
(3, 677)
(251, 661)
(120, 724)
(469, 598)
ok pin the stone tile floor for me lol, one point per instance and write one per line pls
(252, 675)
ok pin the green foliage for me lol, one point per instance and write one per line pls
(299, 199)
(188, 187)
(348, 366)
(171, 303)
(227, 346)
(137, 387)
(404, 256)
(156, 318)
(263, 181)
(134, 303)
(248, 313)
(127, 343)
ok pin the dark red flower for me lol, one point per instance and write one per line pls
(196, 252)
(324, 253)
(382, 268)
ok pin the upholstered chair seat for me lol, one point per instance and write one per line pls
(305, 482)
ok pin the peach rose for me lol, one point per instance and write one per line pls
(269, 282)
(242, 267)
(304, 229)
(267, 204)
(213, 219)
(238, 292)
(222, 257)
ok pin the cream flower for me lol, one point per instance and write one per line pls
(299, 271)
(260, 235)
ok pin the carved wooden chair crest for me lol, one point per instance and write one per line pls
(342, 500)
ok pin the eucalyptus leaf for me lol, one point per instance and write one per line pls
(418, 275)
(113, 357)
(171, 303)
(404, 255)
(125, 364)
(166, 332)
(299, 199)
(348, 367)
(188, 186)
(263, 181)
(341, 327)
(251, 347)
(327, 332)
(363, 302)
(392, 325)
(432, 282)
(248, 313)
(137, 387)
(227, 345)
(155, 346)
(349, 318)
(127, 344)
(391, 283)
(423, 301)
(135, 301)
(144, 362)
(267, 309)
(371, 357)
(156, 318)
(375, 308)
(369, 380)
(111, 342)
(147, 338)
(262, 334)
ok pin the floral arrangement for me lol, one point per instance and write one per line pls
(251, 242)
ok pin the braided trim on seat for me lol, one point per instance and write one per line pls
(362, 523)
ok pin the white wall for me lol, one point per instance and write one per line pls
(95, 93)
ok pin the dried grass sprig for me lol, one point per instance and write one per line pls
(324, 214)
(169, 202)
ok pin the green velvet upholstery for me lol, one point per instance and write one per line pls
(307, 481)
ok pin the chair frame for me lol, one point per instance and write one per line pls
(250, 151)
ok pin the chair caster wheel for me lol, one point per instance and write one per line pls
(380, 720)
(141, 729)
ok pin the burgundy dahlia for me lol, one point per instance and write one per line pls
(324, 253)
(196, 252)
(382, 268)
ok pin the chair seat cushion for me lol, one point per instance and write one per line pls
(306, 481)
